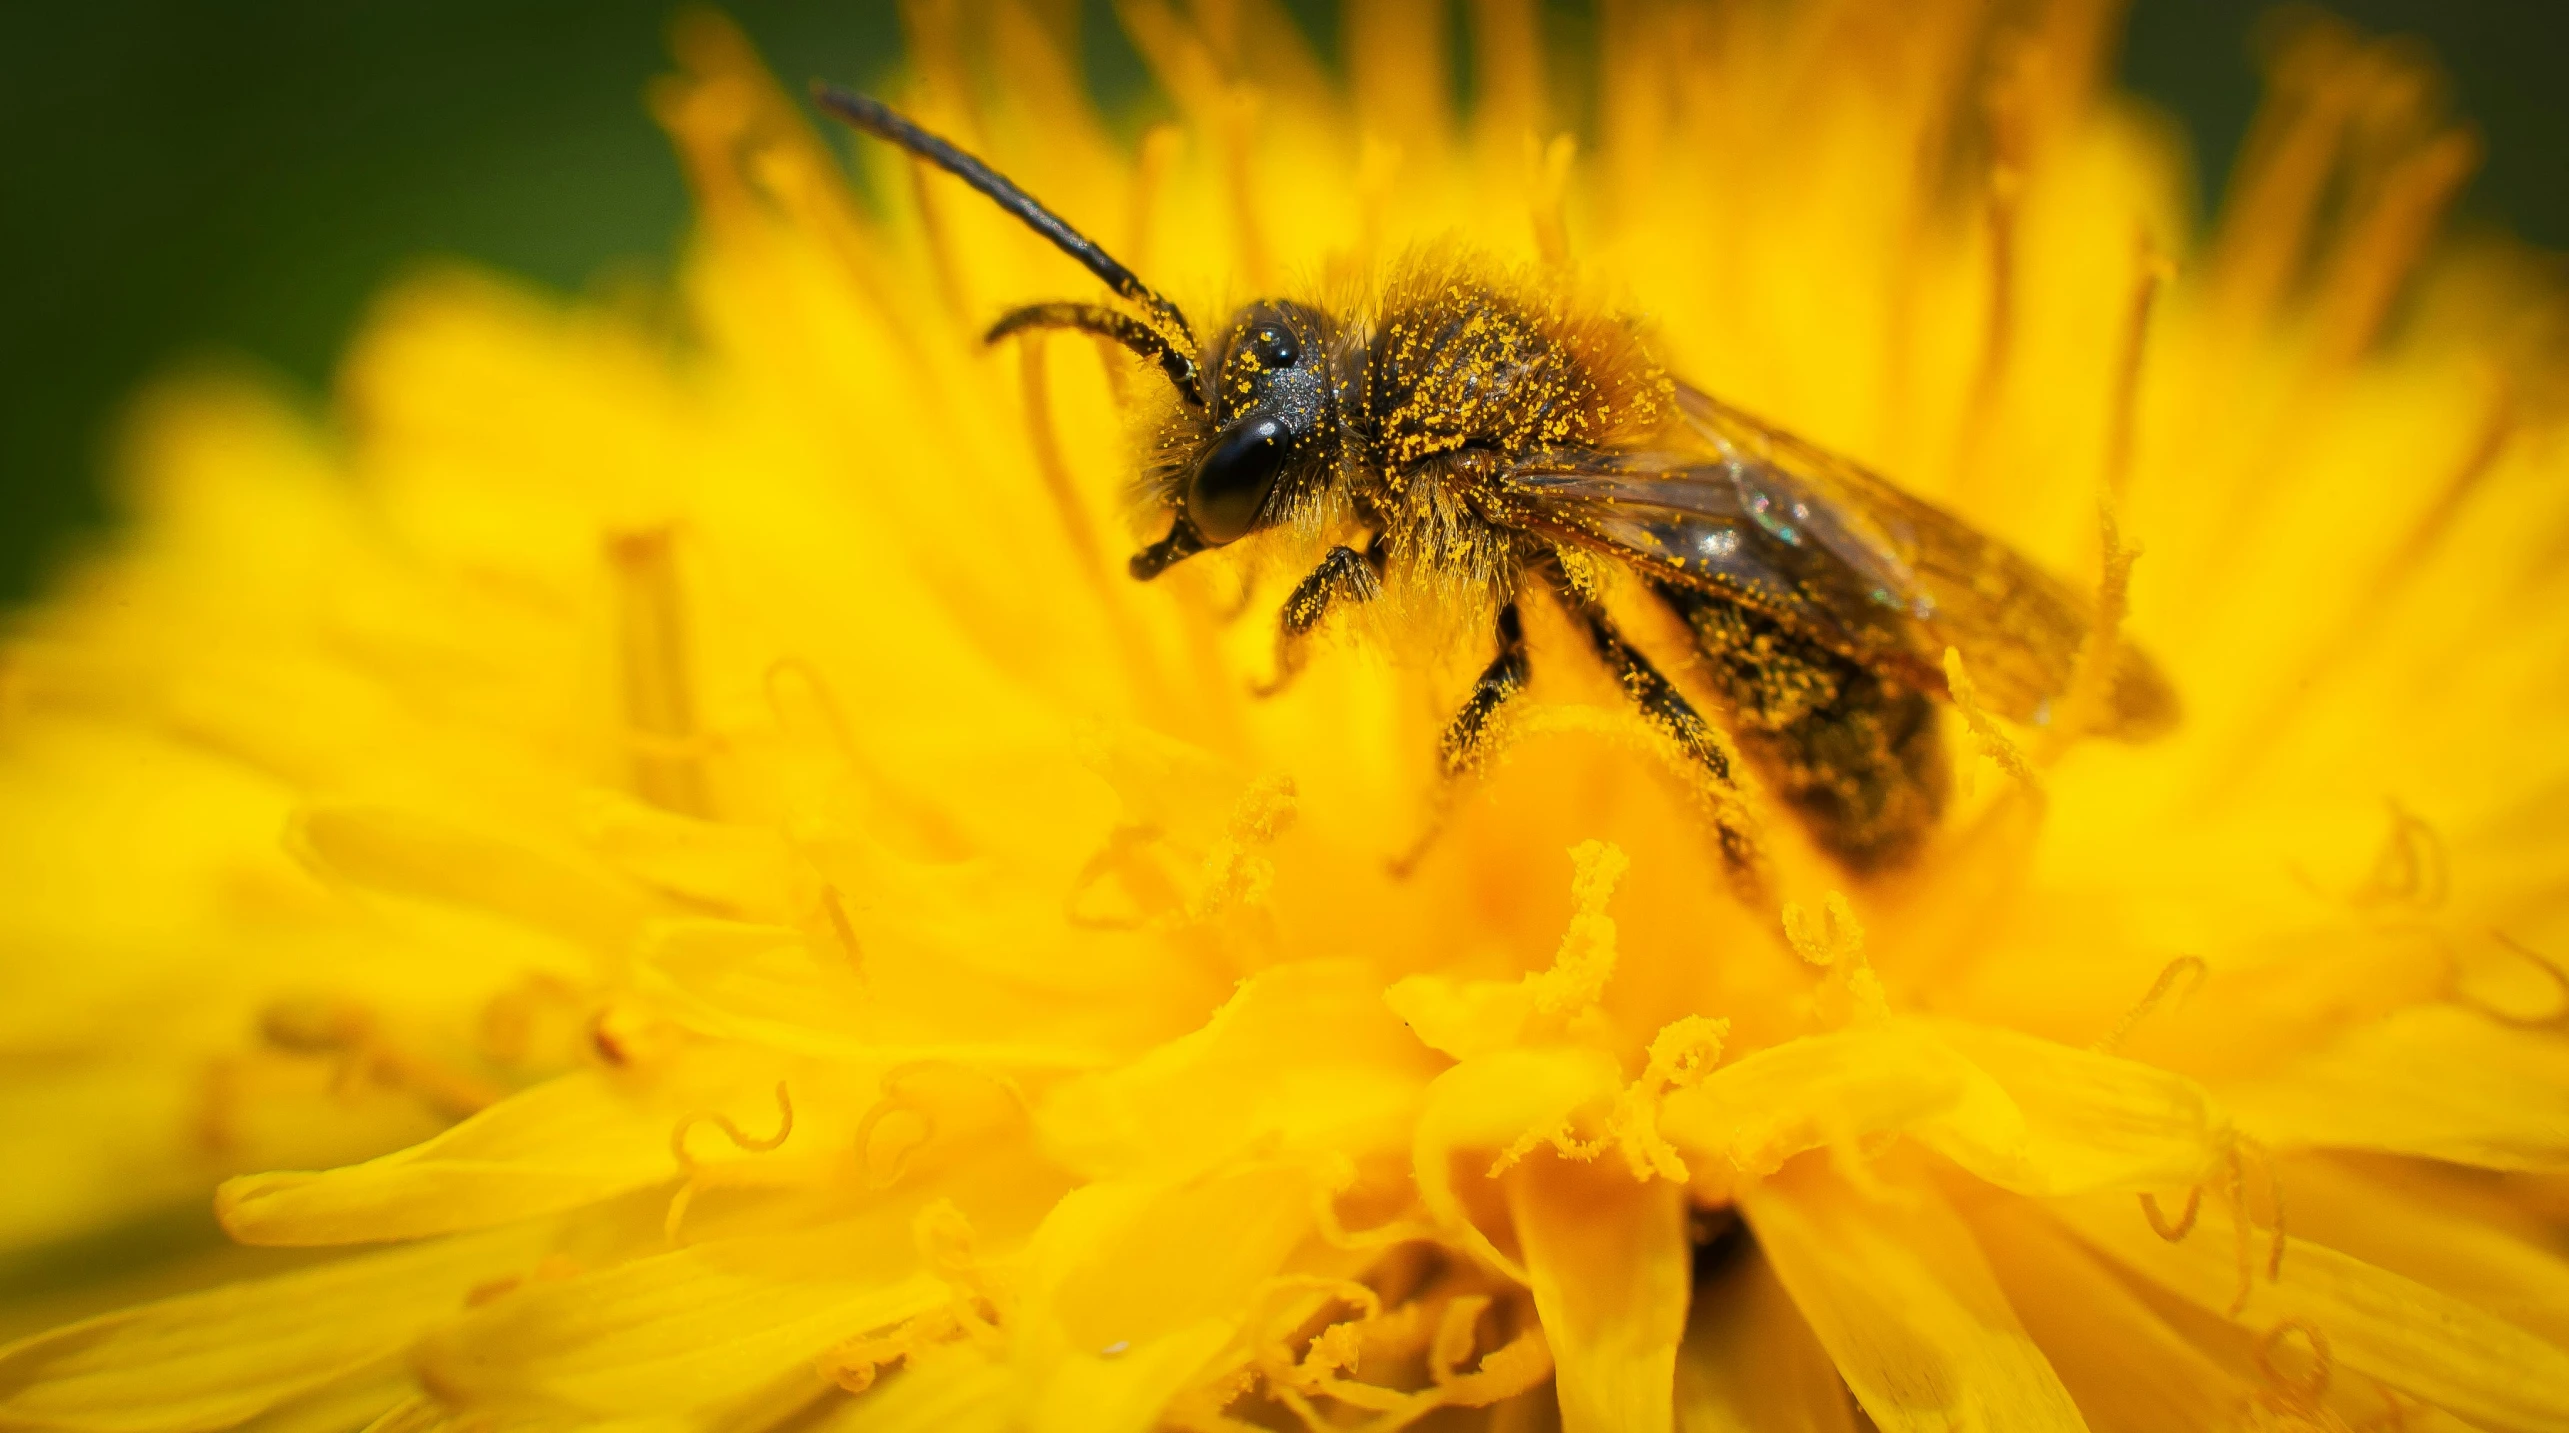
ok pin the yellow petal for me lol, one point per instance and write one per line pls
(1610, 1269)
(1489, 1104)
(1303, 1056)
(1899, 1295)
(953, 1391)
(2024, 1113)
(407, 853)
(2090, 1121)
(565, 1143)
(744, 870)
(2445, 1243)
(2130, 1372)
(1749, 1364)
(210, 1360)
(1131, 1262)
(768, 985)
(2473, 1363)
(2431, 1080)
(1124, 1392)
(356, 1401)
(701, 1325)
(1764, 1108)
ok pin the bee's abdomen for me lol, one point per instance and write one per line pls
(1462, 367)
(1856, 757)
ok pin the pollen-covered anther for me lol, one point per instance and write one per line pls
(1684, 1052)
(947, 1250)
(1852, 993)
(1586, 957)
(1987, 737)
(2088, 703)
(1437, 1330)
(1236, 870)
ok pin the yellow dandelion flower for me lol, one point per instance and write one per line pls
(773, 930)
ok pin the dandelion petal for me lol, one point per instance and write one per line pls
(2474, 1364)
(2132, 1373)
(1899, 1295)
(683, 1329)
(210, 1360)
(1610, 1270)
(1750, 1365)
(2431, 1080)
(568, 1142)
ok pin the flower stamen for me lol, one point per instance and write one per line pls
(2412, 870)
(698, 1176)
(2123, 416)
(2289, 1393)
(1238, 117)
(1986, 737)
(2086, 705)
(1551, 166)
(659, 697)
(2184, 1225)
(2557, 1018)
(2189, 968)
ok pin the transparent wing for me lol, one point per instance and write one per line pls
(1815, 541)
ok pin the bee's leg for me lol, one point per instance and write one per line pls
(1344, 575)
(1182, 543)
(1667, 709)
(1467, 743)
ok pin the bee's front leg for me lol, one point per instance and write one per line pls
(1470, 736)
(1344, 575)
(1182, 543)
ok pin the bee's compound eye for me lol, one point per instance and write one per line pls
(1232, 483)
(1274, 347)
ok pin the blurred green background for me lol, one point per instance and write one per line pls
(238, 177)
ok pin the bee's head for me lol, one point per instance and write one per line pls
(1270, 409)
(1267, 409)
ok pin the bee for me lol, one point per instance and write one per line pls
(1470, 429)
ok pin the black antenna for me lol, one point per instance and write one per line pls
(882, 121)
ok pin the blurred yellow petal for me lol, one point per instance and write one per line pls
(1493, 1105)
(2474, 1364)
(1762, 1109)
(962, 1391)
(1749, 1363)
(712, 1321)
(1303, 1058)
(210, 1360)
(2127, 1368)
(2447, 1243)
(1897, 1291)
(2432, 1080)
(1127, 1390)
(2091, 1121)
(1118, 1266)
(570, 1142)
